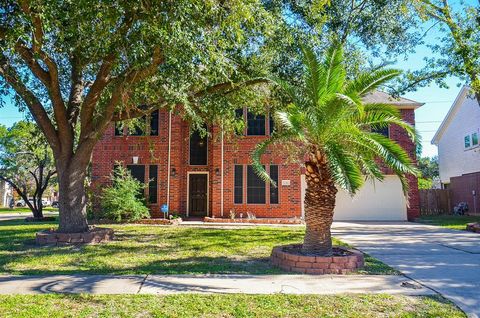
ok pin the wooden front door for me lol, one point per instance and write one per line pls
(198, 194)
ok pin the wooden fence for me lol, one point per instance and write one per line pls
(435, 202)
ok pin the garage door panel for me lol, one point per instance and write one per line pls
(379, 201)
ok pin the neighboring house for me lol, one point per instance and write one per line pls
(6, 194)
(200, 177)
(459, 150)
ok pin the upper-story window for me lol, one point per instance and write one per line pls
(471, 140)
(271, 124)
(382, 131)
(255, 124)
(139, 130)
(198, 149)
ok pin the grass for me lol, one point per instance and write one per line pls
(140, 249)
(194, 305)
(24, 210)
(457, 222)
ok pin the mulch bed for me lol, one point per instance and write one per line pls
(94, 235)
(43, 219)
(292, 259)
(473, 227)
(254, 221)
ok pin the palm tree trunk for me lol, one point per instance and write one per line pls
(319, 204)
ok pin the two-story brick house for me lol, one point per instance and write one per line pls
(200, 177)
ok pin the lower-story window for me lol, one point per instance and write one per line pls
(138, 172)
(274, 188)
(255, 187)
(152, 183)
(238, 184)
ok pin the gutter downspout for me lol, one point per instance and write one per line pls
(221, 174)
(168, 159)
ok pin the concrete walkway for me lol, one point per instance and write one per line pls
(174, 284)
(447, 261)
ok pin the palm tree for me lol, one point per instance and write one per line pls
(334, 130)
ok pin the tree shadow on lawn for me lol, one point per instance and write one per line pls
(144, 250)
(152, 250)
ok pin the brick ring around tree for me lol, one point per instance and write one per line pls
(344, 260)
(93, 236)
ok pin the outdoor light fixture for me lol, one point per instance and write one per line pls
(174, 172)
(135, 160)
(217, 172)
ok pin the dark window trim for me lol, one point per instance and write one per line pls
(235, 186)
(264, 124)
(380, 131)
(190, 149)
(153, 183)
(143, 195)
(265, 187)
(116, 131)
(277, 188)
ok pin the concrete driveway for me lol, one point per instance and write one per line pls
(447, 261)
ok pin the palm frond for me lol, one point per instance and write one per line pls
(367, 82)
(313, 73)
(335, 73)
(344, 169)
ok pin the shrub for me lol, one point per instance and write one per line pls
(124, 199)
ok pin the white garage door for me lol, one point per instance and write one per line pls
(382, 201)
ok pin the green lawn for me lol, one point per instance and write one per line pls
(24, 210)
(140, 249)
(194, 305)
(457, 222)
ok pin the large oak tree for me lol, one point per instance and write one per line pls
(79, 65)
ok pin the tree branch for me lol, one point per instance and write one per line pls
(229, 87)
(34, 105)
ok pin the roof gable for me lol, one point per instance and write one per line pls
(459, 100)
(379, 97)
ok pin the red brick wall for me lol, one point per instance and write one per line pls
(237, 151)
(400, 136)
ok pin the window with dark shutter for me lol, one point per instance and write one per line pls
(255, 187)
(271, 124)
(239, 117)
(198, 149)
(238, 184)
(274, 189)
(154, 123)
(382, 131)
(138, 173)
(255, 124)
(152, 183)
(138, 129)
(118, 129)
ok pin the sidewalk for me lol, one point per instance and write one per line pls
(209, 284)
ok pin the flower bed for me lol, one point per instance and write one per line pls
(94, 235)
(42, 219)
(254, 221)
(343, 261)
(176, 221)
(473, 227)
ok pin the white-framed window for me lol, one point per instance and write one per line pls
(471, 140)
(466, 142)
(474, 139)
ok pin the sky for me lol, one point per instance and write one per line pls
(428, 117)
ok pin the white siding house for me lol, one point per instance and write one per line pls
(5, 194)
(458, 138)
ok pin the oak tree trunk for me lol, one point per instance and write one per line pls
(319, 205)
(72, 198)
